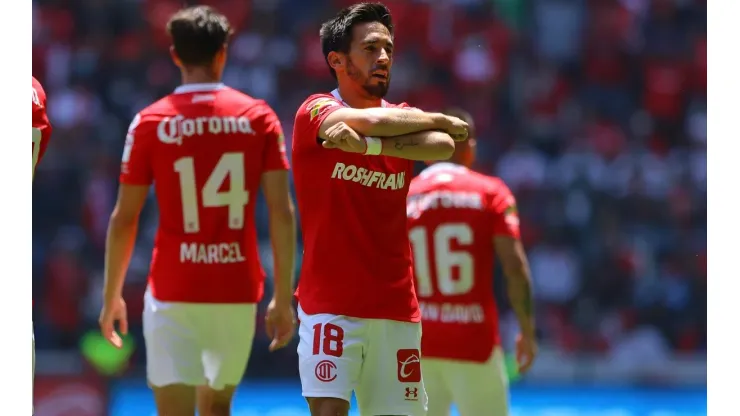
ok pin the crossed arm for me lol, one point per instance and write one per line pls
(406, 134)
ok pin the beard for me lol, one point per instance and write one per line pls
(378, 89)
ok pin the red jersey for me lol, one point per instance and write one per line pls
(40, 126)
(357, 259)
(205, 147)
(454, 215)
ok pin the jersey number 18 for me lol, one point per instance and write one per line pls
(231, 165)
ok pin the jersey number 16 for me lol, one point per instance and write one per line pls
(445, 259)
(231, 165)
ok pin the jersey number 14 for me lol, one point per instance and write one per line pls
(445, 259)
(231, 165)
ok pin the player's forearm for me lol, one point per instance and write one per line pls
(283, 237)
(425, 145)
(519, 287)
(118, 249)
(386, 122)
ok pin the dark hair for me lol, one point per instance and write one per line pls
(198, 33)
(336, 33)
(464, 116)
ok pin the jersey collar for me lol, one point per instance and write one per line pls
(200, 87)
(335, 93)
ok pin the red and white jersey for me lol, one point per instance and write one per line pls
(454, 215)
(357, 259)
(40, 126)
(205, 148)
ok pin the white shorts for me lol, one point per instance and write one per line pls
(377, 359)
(196, 343)
(476, 389)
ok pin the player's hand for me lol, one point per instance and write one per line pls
(114, 311)
(457, 129)
(526, 350)
(343, 137)
(280, 324)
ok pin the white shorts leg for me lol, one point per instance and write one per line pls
(197, 344)
(227, 347)
(330, 354)
(477, 389)
(436, 384)
(391, 382)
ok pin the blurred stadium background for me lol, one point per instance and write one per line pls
(593, 111)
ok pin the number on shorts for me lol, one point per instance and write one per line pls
(231, 165)
(445, 259)
(330, 340)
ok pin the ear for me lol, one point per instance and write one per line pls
(175, 58)
(222, 54)
(335, 60)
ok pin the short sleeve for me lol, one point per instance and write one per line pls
(274, 156)
(136, 166)
(505, 214)
(309, 117)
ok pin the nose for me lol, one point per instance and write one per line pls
(384, 57)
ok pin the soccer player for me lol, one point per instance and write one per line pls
(352, 154)
(40, 126)
(208, 149)
(458, 219)
(41, 133)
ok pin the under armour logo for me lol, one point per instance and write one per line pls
(411, 393)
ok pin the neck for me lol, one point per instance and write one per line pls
(358, 99)
(199, 76)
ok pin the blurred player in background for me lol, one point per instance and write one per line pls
(458, 219)
(208, 149)
(352, 154)
(41, 132)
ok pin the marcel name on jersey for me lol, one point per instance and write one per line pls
(369, 178)
(218, 253)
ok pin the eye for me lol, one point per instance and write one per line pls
(371, 48)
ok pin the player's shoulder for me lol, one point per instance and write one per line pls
(241, 101)
(38, 95)
(315, 102)
(488, 183)
(441, 173)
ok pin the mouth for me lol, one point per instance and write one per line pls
(380, 75)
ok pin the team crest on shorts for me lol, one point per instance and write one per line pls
(409, 366)
(325, 371)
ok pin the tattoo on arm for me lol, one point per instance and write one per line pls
(399, 144)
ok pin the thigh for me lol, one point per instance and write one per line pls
(226, 335)
(436, 385)
(482, 388)
(391, 381)
(330, 354)
(173, 353)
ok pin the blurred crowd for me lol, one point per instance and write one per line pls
(593, 112)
